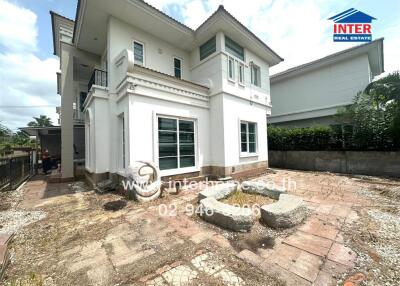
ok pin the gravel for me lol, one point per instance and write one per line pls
(12, 221)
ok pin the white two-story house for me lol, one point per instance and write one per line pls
(195, 102)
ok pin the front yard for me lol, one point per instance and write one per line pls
(65, 236)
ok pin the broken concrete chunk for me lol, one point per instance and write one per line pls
(263, 189)
(218, 192)
(287, 212)
(226, 216)
(105, 186)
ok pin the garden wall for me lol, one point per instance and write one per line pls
(373, 163)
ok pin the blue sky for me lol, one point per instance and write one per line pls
(298, 30)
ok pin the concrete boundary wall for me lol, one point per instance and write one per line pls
(372, 163)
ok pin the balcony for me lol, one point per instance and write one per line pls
(98, 77)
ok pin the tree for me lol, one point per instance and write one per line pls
(21, 139)
(375, 115)
(41, 121)
(5, 131)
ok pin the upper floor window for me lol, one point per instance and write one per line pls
(231, 68)
(208, 48)
(177, 68)
(82, 98)
(234, 48)
(241, 74)
(248, 137)
(138, 51)
(255, 75)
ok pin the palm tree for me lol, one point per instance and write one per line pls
(5, 131)
(41, 121)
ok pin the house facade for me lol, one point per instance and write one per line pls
(147, 87)
(311, 94)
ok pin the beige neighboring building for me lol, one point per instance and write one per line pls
(312, 93)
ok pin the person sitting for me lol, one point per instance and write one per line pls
(46, 161)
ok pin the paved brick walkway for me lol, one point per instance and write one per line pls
(137, 246)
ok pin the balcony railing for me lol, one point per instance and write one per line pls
(98, 77)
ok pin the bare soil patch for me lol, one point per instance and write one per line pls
(245, 199)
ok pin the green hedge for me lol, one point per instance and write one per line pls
(310, 138)
(335, 137)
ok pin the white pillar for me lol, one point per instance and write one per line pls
(67, 122)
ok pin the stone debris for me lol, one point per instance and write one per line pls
(287, 212)
(218, 192)
(13, 220)
(4, 252)
(180, 275)
(226, 216)
(261, 188)
(207, 263)
(78, 187)
(229, 278)
(105, 186)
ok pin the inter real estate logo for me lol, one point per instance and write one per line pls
(352, 26)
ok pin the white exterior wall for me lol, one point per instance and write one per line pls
(235, 111)
(98, 137)
(217, 120)
(158, 54)
(319, 92)
(143, 129)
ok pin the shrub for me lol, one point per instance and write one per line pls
(309, 138)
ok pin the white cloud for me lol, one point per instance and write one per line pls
(298, 30)
(18, 27)
(26, 80)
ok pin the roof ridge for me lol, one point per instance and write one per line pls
(289, 70)
(62, 16)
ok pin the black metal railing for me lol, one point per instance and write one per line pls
(14, 171)
(98, 77)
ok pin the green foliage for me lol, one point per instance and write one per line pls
(310, 138)
(41, 121)
(375, 115)
(372, 122)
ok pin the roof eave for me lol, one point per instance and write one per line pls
(221, 11)
(320, 62)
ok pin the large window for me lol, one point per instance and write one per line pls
(177, 68)
(208, 48)
(255, 75)
(248, 137)
(176, 147)
(231, 68)
(234, 48)
(138, 51)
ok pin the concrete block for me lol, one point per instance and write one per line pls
(263, 189)
(226, 216)
(218, 192)
(287, 212)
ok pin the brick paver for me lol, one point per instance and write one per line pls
(310, 243)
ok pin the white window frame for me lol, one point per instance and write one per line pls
(122, 158)
(241, 74)
(248, 153)
(180, 60)
(252, 75)
(231, 59)
(176, 171)
(144, 52)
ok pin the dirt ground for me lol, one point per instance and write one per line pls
(66, 234)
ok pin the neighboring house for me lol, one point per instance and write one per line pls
(195, 102)
(311, 94)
